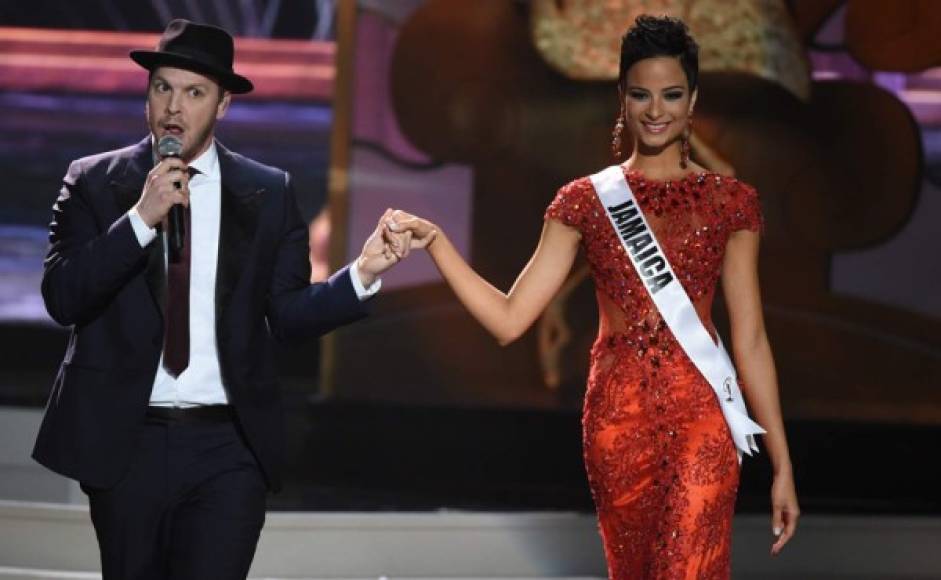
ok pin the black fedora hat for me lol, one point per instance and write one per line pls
(201, 48)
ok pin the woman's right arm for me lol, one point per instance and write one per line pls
(504, 315)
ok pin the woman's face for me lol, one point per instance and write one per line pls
(657, 102)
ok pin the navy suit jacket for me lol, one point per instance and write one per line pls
(98, 280)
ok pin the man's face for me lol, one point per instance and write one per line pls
(187, 105)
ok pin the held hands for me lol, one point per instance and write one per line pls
(167, 185)
(784, 510)
(389, 243)
(419, 233)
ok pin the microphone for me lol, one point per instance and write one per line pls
(170, 146)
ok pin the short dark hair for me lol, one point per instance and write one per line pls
(653, 36)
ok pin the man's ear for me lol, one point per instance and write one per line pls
(223, 105)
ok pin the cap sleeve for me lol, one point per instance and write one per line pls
(571, 203)
(746, 209)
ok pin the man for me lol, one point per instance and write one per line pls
(166, 407)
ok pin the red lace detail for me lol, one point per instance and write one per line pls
(662, 467)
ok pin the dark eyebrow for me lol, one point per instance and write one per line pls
(201, 86)
(673, 88)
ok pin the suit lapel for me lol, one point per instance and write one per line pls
(128, 181)
(126, 187)
(156, 274)
(241, 202)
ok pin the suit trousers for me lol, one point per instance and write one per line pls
(191, 506)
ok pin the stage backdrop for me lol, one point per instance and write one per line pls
(472, 115)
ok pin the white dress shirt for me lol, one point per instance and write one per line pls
(201, 382)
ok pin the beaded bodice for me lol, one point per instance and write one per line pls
(692, 219)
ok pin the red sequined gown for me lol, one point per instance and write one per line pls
(660, 460)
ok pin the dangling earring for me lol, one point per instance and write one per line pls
(618, 135)
(684, 144)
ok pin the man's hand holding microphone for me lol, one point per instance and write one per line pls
(166, 191)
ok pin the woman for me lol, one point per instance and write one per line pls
(660, 458)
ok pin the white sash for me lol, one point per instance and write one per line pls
(674, 305)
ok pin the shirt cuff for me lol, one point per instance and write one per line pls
(361, 292)
(144, 234)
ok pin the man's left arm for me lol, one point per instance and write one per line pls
(299, 309)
